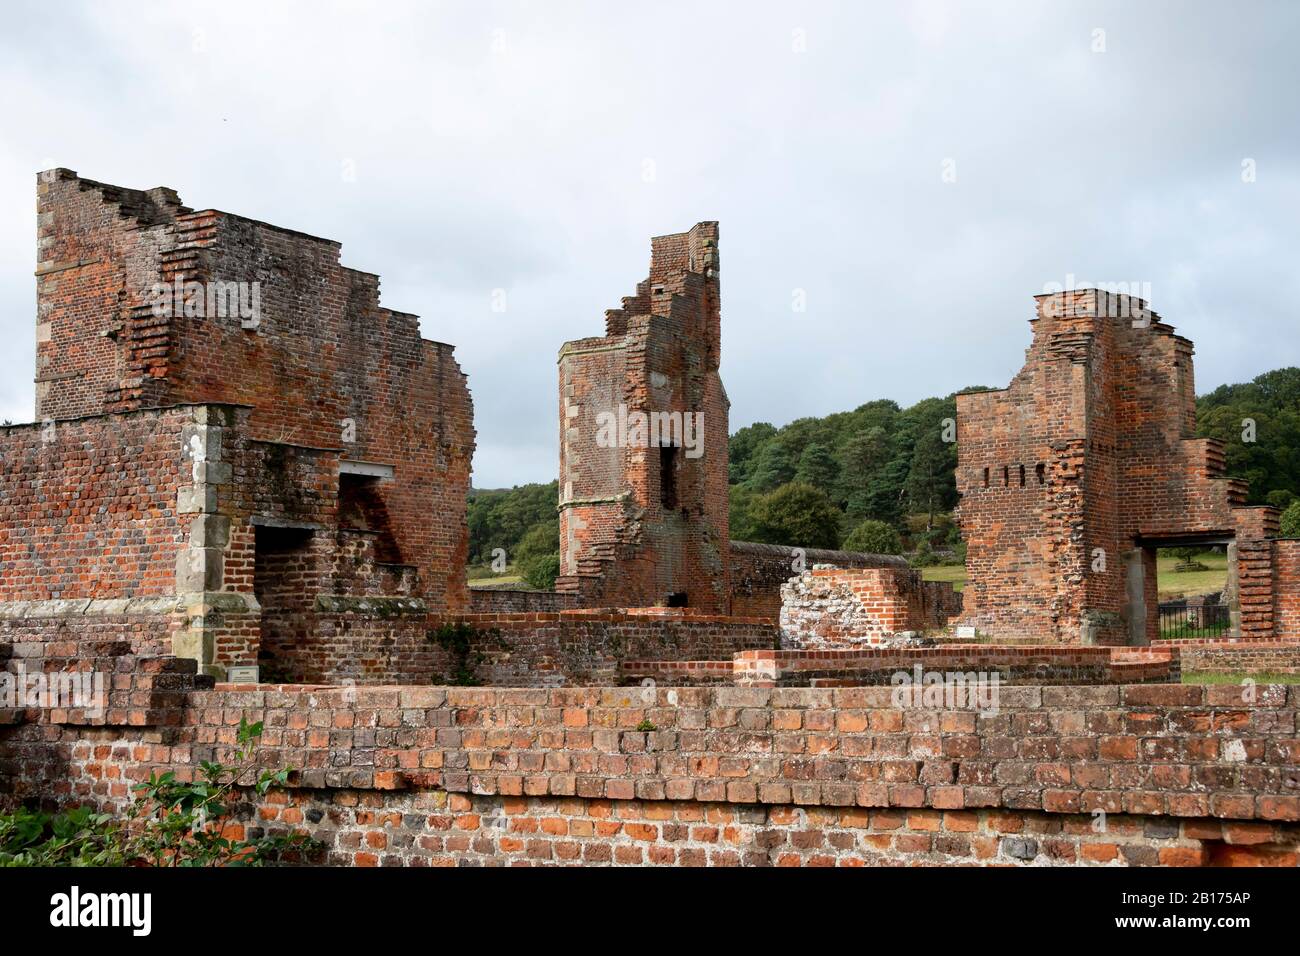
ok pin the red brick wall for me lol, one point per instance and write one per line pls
(1258, 657)
(141, 627)
(502, 601)
(116, 528)
(422, 775)
(1088, 455)
(88, 506)
(97, 251)
(1022, 664)
(1286, 589)
(620, 544)
(455, 829)
(386, 641)
(325, 365)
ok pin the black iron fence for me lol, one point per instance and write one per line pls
(1181, 619)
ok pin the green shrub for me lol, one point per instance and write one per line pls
(873, 537)
(541, 539)
(1291, 520)
(796, 515)
(541, 571)
(76, 837)
(924, 556)
(170, 823)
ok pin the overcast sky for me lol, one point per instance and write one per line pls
(461, 148)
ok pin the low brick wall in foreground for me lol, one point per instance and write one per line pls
(432, 775)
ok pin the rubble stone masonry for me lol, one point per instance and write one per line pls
(853, 607)
(758, 572)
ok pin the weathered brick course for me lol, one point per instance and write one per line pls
(712, 776)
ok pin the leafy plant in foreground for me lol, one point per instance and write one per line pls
(170, 823)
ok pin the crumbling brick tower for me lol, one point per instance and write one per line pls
(647, 525)
(1072, 477)
(329, 444)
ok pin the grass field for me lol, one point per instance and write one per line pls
(1174, 583)
(497, 581)
(954, 574)
(1171, 583)
(480, 576)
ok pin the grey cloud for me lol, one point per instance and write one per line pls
(505, 146)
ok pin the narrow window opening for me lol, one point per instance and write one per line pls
(1022, 476)
(668, 477)
(986, 477)
(1041, 471)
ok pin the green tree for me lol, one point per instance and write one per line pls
(499, 518)
(774, 467)
(797, 515)
(818, 467)
(537, 556)
(741, 513)
(743, 449)
(1187, 559)
(1281, 498)
(873, 537)
(1291, 520)
(1259, 425)
(931, 474)
(541, 538)
(540, 571)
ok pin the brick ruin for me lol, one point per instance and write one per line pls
(230, 431)
(288, 489)
(1075, 474)
(645, 522)
(829, 607)
(643, 517)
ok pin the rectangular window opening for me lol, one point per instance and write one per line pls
(668, 460)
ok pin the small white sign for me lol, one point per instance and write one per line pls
(966, 631)
(243, 674)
